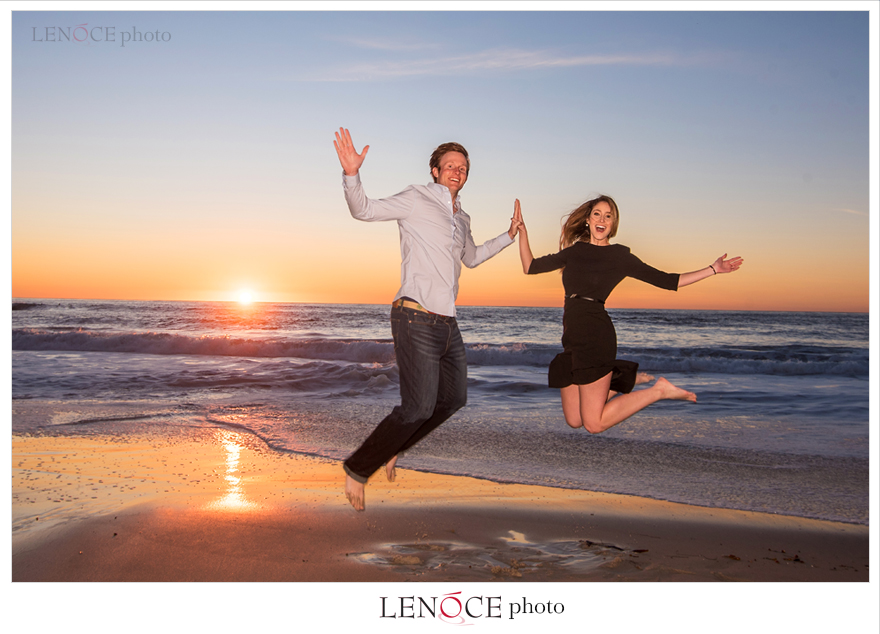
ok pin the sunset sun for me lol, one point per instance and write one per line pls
(245, 297)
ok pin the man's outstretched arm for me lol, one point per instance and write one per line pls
(475, 255)
(362, 208)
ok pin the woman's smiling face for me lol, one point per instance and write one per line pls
(602, 223)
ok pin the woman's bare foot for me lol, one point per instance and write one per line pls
(390, 473)
(643, 377)
(670, 392)
(354, 491)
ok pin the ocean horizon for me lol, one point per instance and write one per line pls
(256, 302)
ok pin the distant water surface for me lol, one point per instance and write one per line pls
(781, 424)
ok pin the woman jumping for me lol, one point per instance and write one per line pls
(595, 386)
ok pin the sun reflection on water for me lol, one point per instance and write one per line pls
(234, 498)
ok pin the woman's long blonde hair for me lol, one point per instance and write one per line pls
(575, 227)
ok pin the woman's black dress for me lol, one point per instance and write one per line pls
(588, 336)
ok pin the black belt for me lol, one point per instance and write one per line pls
(589, 299)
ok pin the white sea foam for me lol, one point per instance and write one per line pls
(782, 360)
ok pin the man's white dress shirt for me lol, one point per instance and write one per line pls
(434, 239)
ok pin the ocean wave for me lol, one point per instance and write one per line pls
(361, 351)
(791, 360)
(768, 360)
(68, 375)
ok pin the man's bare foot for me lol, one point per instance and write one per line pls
(354, 491)
(670, 392)
(390, 473)
(643, 377)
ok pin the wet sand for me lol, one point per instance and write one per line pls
(216, 505)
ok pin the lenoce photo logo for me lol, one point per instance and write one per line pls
(90, 35)
(455, 609)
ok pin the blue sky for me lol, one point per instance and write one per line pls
(715, 131)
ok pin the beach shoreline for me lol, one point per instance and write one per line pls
(216, 505)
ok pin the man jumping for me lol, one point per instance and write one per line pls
(435, 238)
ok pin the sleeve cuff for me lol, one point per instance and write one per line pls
(350, 181)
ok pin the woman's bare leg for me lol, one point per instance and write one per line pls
(641, 377)
(571, 405)
(586, 405)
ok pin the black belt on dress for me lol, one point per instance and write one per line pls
(589, 299)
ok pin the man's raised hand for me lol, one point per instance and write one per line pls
(516, 222)
(350, 160)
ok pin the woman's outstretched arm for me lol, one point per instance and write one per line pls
(718, 266)
(525, 251)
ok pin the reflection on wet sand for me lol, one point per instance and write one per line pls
(234, 497)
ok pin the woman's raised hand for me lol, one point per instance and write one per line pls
(525, 251)
(516, 222)
(350, 160)
(727, 266)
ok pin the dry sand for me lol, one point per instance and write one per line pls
(217, 506)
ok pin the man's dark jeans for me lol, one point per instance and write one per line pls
(432, 366)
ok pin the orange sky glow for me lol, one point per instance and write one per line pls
(123, 271)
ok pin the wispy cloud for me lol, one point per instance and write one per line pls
(854, 212)
(384, 44)
(496, 60)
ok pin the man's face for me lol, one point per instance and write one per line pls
(453, 172)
